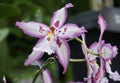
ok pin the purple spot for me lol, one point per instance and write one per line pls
(63, 33)
(57, 23)
(65, 29)
(59, 31)
(52, 29)
(48, 39)
(41, 29)
(58, 42)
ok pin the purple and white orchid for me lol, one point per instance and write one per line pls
(52, 39)
(96, 72)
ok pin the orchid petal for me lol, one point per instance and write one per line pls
(63, 53)
(103, 26)
(104, 80)
(102, 23)
(115, 51)
(95, 68)
(46, 76)
(90, 71)
(33, 29)
(70, 31)
(45, 45)
(34, 56)
(94, 48)
(113, 75)
(4, 79)
(106, 52)
(59, 17)
(83, 49)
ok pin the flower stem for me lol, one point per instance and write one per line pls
(49, 61)
(86, 48)
(77, 60)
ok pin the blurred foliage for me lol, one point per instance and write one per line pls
(15, 46)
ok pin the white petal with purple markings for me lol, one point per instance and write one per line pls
(59, 17)
(70, 31)
(33, 29)
(45, 45)
(63, 53)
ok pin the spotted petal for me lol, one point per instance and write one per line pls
(59, 17)
(63, 53)
(34, 56)
(45, 45)
(33, 29)
(70, 31)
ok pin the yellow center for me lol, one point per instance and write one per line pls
(50, 34)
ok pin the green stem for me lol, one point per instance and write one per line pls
(50, 60)
(77, 60)
(86, 48)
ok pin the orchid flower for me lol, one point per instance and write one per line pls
(106, 53)
(52, 39)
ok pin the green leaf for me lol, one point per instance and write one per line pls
(8, 10)
(3, 33)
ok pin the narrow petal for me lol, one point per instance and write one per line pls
(90, 71)
(101, 72)
(63, 53)
(33, 29)
(45, 45)
(34, 56)
(107, 52)
(46, 77)
(83, 49)
(70, 31)
(59, 17)
(4, 79)
(102, 23)
(103, 26)
(95, 68)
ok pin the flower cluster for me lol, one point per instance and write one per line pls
(106, 53)
(52, 40)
